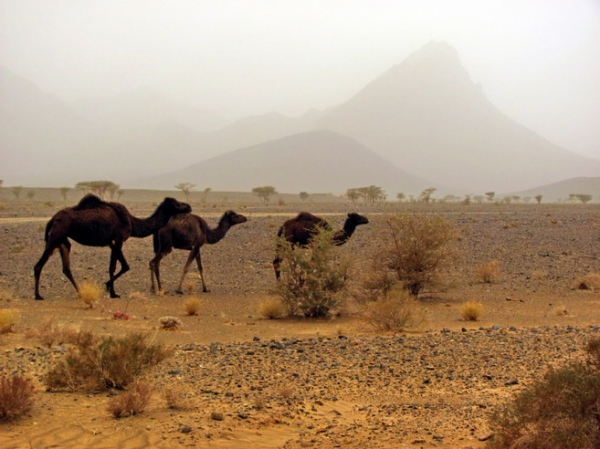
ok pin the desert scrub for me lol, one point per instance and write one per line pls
(488, 272)
(417, 249)
(7, 320)
(271, 308)
(131, 402)
(177, 398)
(471, 311)
(590, 281)
(95, 363)
(90, 293)
(191, 305)
(558, 411)
(395, 311)
(170, 323)
(313, 279)
(16, 396)
(50, 332)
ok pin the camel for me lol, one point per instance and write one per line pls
(94, 222)
(298, 231)
(189, 232)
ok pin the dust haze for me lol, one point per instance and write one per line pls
(167, 74)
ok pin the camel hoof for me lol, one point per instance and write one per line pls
(114, 295)
(179, 292)
(39, 298)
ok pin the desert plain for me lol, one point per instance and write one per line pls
(334, 382)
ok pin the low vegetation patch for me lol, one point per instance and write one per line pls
(271, 308)
(131, 402)
(488, 272)
(558, 411)
(590, 281)
(7, 320)
(95, 363)
(396, 311)
(313, 279)
(50, 332)
(170, 323)
(90, 293)
(471, 310)
(191, 305)
(16, 397)
(177, 398)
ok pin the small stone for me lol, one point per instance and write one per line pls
(185, 429)
(216, 416)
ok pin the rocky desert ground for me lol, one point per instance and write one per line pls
(336, 382)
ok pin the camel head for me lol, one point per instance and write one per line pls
(356, 219)
(233, 218)
(172, 207)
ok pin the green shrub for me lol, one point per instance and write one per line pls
(559, 411)
(417, 249)
(99, 363)
(313, 279)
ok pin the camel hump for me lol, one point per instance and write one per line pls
(90, 201)
(307, 216)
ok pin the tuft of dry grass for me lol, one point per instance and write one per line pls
(590, 281)
(560, 311)
(396, 311)
(16, 396)
(90, 293)
(191, 305)
(131, 402)
(488, 272)
(50, 332)
(7, 321)
(177, 398)
(471, 310)
(170, 323)
(272, 308)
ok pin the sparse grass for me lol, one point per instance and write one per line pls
(286, 392)
(488, 272)
(259, 402)
(271, 308)
(471, 310)
(98, 363)
(131, 402)
(590, 281)
(170, 323)
(558, 411)
(90, 293)
(396, 311)
(16, 396)
(191, 305)
(50, 332)
(560, 311)
(177, 398)
(16, 249)
(7, 321)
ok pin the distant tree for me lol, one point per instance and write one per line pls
(490, 196)
(467, 200)
(583, 197)
(425, 195)
(478, 199)
(205, 193)
(84, 186)
(538, 198)
(526, 199)
(400, 196)
(100, 188)
(113, 189)
(353, 195)
(16, 190)
(120, 193)
(186, 188)
(30, 194)
(264, 193)
(64, 191)
(1, 183)
(303, 196)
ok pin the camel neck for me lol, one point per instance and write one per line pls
(217, 234)
(143, 227)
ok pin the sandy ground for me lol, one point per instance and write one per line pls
(293, 383)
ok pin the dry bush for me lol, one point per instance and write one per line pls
(488, 272)
(271, 308)
(560, 311)
(170, 323)
(558, 411)
(471, 310)
(98, 363)
(7, 321)
(16, 396)
(417, 249)
(396, 311)
(90, 293)
(313, 279)
(131, 402)
(590, 281)
(191, 305)
(177, 398)
(50, 332)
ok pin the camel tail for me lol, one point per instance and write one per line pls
(47, 230)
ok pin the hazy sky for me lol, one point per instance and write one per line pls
(537, 60)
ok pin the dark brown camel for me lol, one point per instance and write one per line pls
(94, 222)
(298, 231)
(189, 232)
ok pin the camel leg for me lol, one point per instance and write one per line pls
(155, 272)
(186, 268)
(116, 254)
(205, 289)
(37, 269)
(276, 267)
(65, 255)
